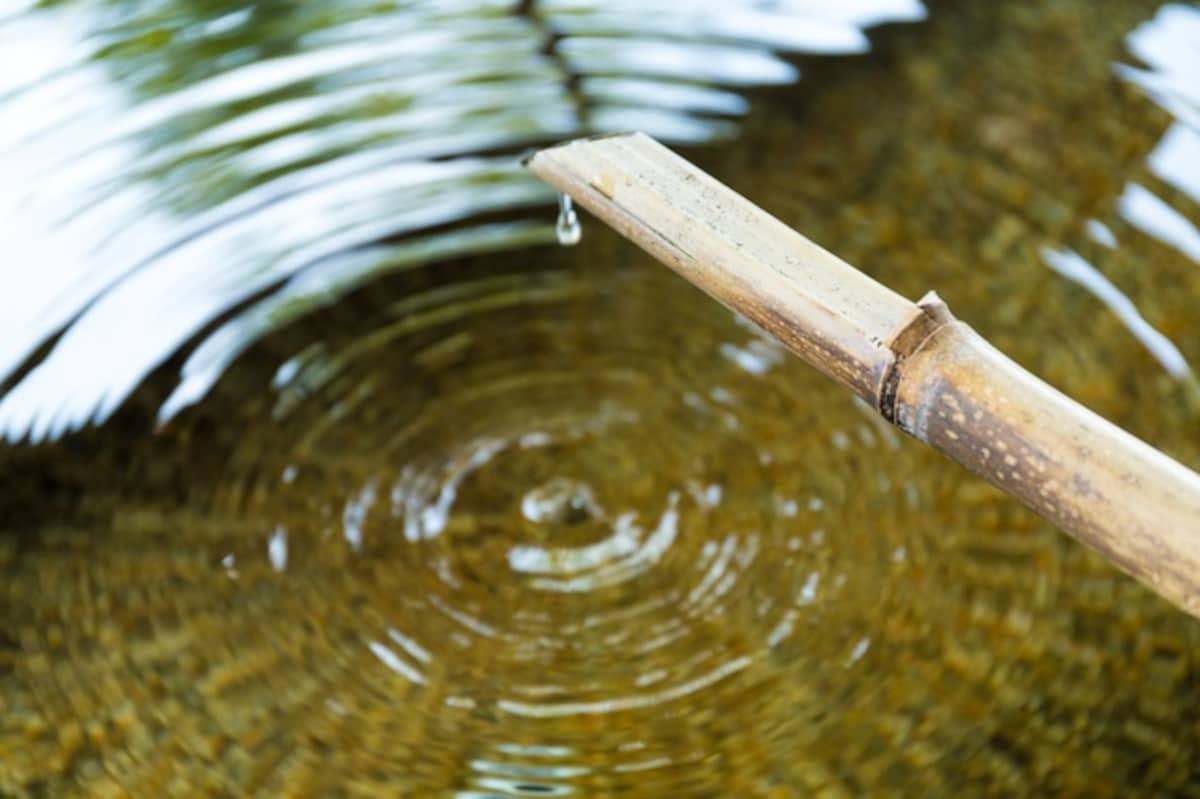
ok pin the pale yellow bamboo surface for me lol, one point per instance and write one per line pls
(916, 364)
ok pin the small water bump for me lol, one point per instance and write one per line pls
(560, 501)
(568, 228)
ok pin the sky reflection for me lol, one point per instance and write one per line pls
(163, 169)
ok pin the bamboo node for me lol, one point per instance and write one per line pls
(929, 315)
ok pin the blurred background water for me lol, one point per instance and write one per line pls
(329, 473)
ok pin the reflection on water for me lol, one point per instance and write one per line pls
(164, 167)
(545, 531)
(550, 522)
(1169, 44)
(1073, 267)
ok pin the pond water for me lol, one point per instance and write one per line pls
(552, 523)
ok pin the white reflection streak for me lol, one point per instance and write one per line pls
(355, 513)
(277, 549)
(512, 770)
(410, 646)
(756, 358)
(535, 750)
(864, 13)
(1072, 266)
(737, 66)
(1152, 215)
(1170, 44)
(625, 703)
(465, 619)
(1101, 234)
(396, 663)
(783, 629)
(428, 520)
(860, 649)
(534, 559)
(808, 592)
(1177, 159)
(804, 13)
(644, 765)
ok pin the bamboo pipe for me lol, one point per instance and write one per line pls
(922, 369)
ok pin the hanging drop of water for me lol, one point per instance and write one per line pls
(568, 228)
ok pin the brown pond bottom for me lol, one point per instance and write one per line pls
(555, 524)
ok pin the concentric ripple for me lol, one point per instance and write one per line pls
(538, 533)
(558, 536)
(553, 524)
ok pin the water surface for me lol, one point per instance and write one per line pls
(552, 523)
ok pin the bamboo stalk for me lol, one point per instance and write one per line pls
(922, 369)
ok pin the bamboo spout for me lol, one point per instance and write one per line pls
(921, 368)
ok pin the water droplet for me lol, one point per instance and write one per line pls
(568, 227)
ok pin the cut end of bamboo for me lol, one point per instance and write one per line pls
(825, 310)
